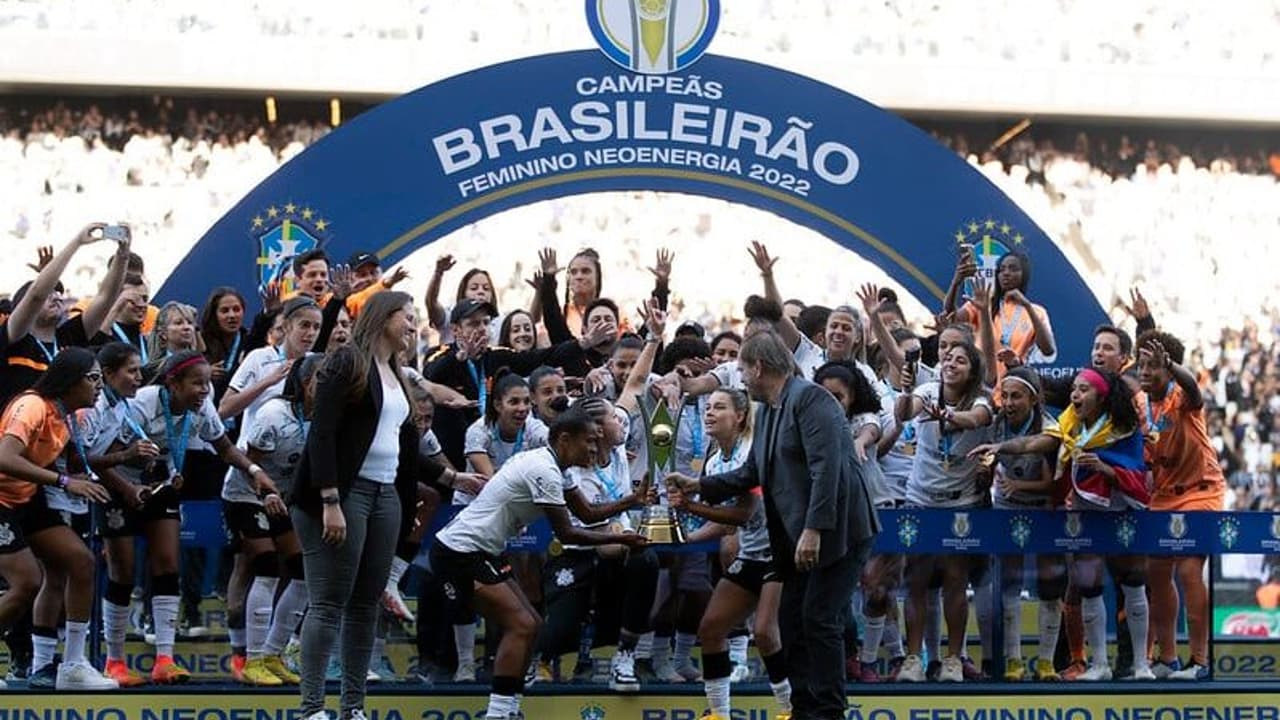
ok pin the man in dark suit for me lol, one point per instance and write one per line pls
(820, 517)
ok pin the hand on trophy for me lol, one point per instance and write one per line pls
(681, 483)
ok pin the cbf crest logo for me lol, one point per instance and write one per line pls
(654, 37)
(591, 712)
(282, 232)
(1229, 532)
(908, 530)
(989, 240)
(960, 526)
(1126, 531)
(1073, 526)
(1177, 526)
(1020, 530)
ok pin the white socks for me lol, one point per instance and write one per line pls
(76, 634)
(115, 625)
(718, 695)
(684, 649)
(1138, 613)
(1011, 599)
(398, 568)
(164, 610)
(1094, 613)
(1050, 621)
(501, 707)
(43, 649)
(464, 638)
(872, 632)
(738, 649)
(289, 611)
(893, 639)
(644, 646)
(257, 613)
(782, 694)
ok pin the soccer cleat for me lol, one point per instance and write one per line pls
(276, 666)
(384, 670)
(867, 673)
(623, 673)
(912, 670)
(1141, 672)
(952, 670)
(168, 672)
(1194, 671)
(466, 672)
(83, 676)
(1015, 670)
(971, 672)
(256, 673)
(394, 603)
(46, 678)
(1096, 673)
(191, 629)
(237, 667)
(1074, 670)
(119, 671)
(741, 673)
(1043, 670)
(895, 664)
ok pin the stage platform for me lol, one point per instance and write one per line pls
(403, 701)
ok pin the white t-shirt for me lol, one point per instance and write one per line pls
(753, 538)
(149, 411)
(729, 375)
(600, 485)
(429, 445)
(481, 438)
(279, 433)
(935, 482)
(809, 357)
(383, 458)
(256, 366)
(508, 502)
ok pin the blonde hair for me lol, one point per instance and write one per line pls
(156, 344)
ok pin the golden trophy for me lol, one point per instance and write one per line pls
(659, 524)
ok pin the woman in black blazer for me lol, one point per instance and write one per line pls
(355, 487)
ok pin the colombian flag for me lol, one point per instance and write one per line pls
(1121, 451)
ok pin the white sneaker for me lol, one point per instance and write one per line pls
(623, 673)
(466, 673)
(741, 673)
(82, 676)
(1097, 673)
(666, 673)
(912, 670)
(357, 714)
(394, 603)
(318, 715)
(952, 670)
(372, 677)
(689, 671)
(1142, 672)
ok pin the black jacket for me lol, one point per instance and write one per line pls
(342, 430)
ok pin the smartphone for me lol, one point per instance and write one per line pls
(966, 252)
(118, 233)
(913, 361)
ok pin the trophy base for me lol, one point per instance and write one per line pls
(662, 533)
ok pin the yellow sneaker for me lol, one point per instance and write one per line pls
(782, 716)
(275, 665)
(1015, 670)
(1044, 671)
(257, 673)
(545, 672)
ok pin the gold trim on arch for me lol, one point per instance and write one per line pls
(559, 179)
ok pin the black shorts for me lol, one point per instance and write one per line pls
(119, 520)
(253, 522)
(751, 575)
(458, 572)
(12, 538)
(571, 571)
(36, 516)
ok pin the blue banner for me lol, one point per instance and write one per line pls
(980, 532)
(452, 153)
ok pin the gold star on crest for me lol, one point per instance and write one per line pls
(257, 221)
(989, 224)
(1004, 228)
(273, 211)
(973, 227)
(322, 224)
(290, 208)
(307, 213)
(959, 236)
(1017, 238)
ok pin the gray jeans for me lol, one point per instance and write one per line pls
(345, 584)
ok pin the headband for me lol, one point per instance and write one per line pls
(1095, 378)
(1015, 378)
(179, 367)
(298, 303)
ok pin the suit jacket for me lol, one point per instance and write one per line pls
(810, 475)
(342, 431)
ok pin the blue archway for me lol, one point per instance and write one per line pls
(414, 169)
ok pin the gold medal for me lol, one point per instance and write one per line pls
(696, 465)
(555, 548)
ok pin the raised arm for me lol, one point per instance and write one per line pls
(655, 320)
(98, 313)
(24, 315)
(435, 313)
(786, 329)
(1154, 352)
(869, 295)
(966, 267)
(982, 292)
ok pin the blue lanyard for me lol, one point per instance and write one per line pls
(1083, 439)
(478, 379)
(127, 415)
(1152, 425)
(607, 480)
(1022, 430)
(724, 462)
(73, 428)
(45, 348)
(177, 440)
(519, 443)
(303, 422)
(695, 431)
(232, 355)
(1007, 328)
(124, 338)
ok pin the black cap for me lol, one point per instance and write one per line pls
(692, 328)
(468, 307)
(363, 258)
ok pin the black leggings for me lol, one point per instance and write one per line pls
(621, 591)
